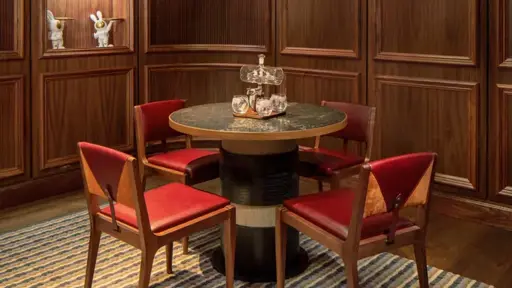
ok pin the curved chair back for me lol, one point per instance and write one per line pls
(152, 119)
(388, 185)
(360, 124)
(111, 175)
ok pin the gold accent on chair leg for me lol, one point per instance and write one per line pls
(94, 243)
(229, 247)
(168, 257)
(280, 249)
(146, 265)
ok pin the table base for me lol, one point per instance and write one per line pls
(294, 267)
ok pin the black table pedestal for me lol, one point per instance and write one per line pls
(257, 176)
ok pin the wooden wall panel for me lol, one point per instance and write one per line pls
(310, 86)
(410, 31)
(206, 25)
(7, 18)
(184, 46)
(316, 27)
(12, 29)
(320, 48)
(82, 93)
(99, 110)
(500, 120)
(198, 83)
(12, 144)
(14, 87)
(429, 87)
(432, 124)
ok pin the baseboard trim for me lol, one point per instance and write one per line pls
(37, 189)
(488, 213)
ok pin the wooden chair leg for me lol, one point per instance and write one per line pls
(146, 264)
(94, 243)
(184, 242)
(168, 257)
(280, 249)
(320, 185)
(351, 272)
(229, 248)
(421, 263)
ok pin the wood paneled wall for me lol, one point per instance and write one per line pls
(14, 89)
(210, 41)
(438, 72)
(82, 93)
(427, 78)
(500, 96)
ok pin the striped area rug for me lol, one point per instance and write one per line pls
(54, 254)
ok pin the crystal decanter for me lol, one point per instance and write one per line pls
(261, 75)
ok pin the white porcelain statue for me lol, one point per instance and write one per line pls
(56, 31)
(102, 29)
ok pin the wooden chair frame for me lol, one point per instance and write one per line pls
(334, 180)
(147, 241)
(353, 248)
(170, 174)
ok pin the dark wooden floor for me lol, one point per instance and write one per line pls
(473, 250)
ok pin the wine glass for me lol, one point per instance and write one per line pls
(240, 104)
(264, 107)
(279, 102)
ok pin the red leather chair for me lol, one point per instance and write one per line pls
(189, 166)
(328, 165)
(361, 223)
(148, 220)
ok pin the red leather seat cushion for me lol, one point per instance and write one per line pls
(189, 161)
(170, 205)
(324, 162)
(332, 211)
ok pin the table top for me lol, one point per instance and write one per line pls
(217, 121)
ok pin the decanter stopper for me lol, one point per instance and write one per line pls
(261, 59)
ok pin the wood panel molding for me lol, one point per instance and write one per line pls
(354, 78)
(471, 90)
(504, 187)
(352, 53)
(17, 122)
(18, 51)
(211, 47)
(47, 162)
(488, 213)
(471, 59)
(188, 67)
(503, 21)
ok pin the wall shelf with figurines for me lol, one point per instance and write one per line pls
(87, 27)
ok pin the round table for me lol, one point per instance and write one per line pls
(259, 159)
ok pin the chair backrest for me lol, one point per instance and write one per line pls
(391, 184)
(111, 175)
(154, 119)
(360, 121)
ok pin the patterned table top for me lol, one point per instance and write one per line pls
(217, 120)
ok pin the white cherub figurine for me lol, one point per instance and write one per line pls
(56, 33)
(102, 29)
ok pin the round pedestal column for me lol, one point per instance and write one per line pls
(257, 176)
